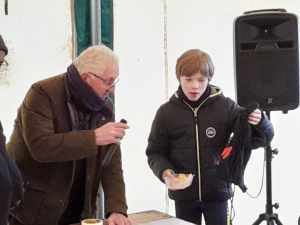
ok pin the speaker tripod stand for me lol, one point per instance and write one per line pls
(269, 216)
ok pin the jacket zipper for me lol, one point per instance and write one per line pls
(198, 152)
(195, 110)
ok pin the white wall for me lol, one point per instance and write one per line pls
(149, 36)
(38, 35)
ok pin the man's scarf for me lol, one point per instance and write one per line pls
(81, 93)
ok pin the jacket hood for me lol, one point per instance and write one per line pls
(215, 92)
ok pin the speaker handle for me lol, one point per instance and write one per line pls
(264, 10)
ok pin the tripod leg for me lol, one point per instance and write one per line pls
(271, 222)
(258, 221)
(272, 219)
(277, 220)
(261, 218)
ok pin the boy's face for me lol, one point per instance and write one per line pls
(194, 86)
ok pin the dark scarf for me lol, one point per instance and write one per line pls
(193, 104)
(82, 94)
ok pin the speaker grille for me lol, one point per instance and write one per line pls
(248, 46)
(269, 45)
(285, 44)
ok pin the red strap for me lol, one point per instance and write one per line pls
(226, 152)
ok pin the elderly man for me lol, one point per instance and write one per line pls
(63, 131)
(10, 178)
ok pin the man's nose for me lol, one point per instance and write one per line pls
(111, 88)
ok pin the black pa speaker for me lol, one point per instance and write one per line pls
(267, 59)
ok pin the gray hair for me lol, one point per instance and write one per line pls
(96, 59)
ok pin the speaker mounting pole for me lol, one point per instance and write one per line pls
(269, 216)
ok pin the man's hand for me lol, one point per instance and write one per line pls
(255, 117)
(118, 219)
(109, 132)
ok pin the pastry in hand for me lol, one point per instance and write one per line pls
(181, 176)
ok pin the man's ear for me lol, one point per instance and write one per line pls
(84, 77)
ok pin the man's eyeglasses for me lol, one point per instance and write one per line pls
(109, 83)
(3, 66)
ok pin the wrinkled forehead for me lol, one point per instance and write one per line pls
(111, 71)
(110, 74)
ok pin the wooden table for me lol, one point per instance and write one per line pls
(149, 216)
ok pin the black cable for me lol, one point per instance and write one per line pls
(232, 211)
(262, 180)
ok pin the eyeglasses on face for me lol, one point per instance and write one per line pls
(109, 83)
(3, 66)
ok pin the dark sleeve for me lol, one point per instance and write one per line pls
(265, 127)
(11, 190)
(17, 182)
(158, 148)
(5, 186)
